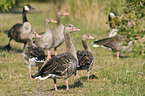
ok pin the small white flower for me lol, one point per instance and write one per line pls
(140, 72)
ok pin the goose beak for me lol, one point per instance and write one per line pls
(38, 36)
(91, 37)
(34, 10)
(52, 20)
(75, 29)
(65, 13)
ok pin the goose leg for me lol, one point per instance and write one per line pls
(88, 75)
(48, 56)
(8, 47)
(55, 50)
(67, 87)
(24, 46)
(117, 55)
(55, 84)
(29, 67)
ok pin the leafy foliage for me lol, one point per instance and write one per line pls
(5, 5)
(129, 24)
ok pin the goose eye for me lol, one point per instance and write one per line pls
(69, 26)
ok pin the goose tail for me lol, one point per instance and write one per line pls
(94, 43)
(35, 75)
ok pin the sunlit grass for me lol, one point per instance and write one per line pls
(123, 77)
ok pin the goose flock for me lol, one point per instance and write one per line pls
(64, 65)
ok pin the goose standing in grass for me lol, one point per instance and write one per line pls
(20, 31)
(58, 32)
(47, 40)
(114, 43)
(61, 66)
(33, 55)
(85, 57)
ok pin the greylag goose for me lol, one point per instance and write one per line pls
(20, 31)
(85, 57)
(115, 44)
(33, 55)
(47, 40)
(58, 32)
(61, 66)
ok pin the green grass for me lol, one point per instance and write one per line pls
(109, 77)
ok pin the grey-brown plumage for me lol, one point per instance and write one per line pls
(58, 32)
(61, 66)
(47, 40)
(19, 32)
(33, 55)
(85, 57)
(114, 43)
(35, 52)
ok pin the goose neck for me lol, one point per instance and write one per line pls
(24, 16)
(30, 42)
(85, 45)
(47, 27)
(58, 19)
(69, 44)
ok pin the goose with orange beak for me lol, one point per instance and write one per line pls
(58, 32)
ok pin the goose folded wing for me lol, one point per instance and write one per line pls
(57, 65)
(85, 58)
(14, 30)
(108, 42)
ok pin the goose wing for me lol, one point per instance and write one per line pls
(62, 65)
(86, 59)
(15, 31)
(33, 51)
(112, 42)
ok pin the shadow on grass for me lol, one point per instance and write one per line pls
(85, 78)
(63, 87)
(77, 83)
(121, 56)
(6, 31)
(4, 48)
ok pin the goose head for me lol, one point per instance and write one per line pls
(87, 36)
(28, 7)
(70, 28)
(33, 35)
(62, 13)
(112, 15)
(49, 19)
